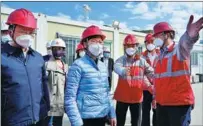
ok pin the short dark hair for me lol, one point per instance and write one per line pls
(91, 37)
(77, 55)
(11, 27)
(171, 34)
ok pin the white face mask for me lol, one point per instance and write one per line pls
(82, 53)
(158, 42)
(150, 47)
(96, 49)
(49, 52)
(131, 51)
(101, 55)
(25, 41)
(5, 38)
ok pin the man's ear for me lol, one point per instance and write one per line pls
(11, 30)
(11, 33)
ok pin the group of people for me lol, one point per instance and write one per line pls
(37, 90)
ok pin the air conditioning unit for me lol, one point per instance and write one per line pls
(196, 79)
(200, 75)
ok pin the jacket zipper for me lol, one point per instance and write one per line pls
(25, 64)
(160, 59)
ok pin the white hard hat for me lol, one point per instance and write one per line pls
(58, 43)
(4, 26)
(106, 49)
(49, 44)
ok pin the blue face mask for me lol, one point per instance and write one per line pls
(5, 38)
(58, 53)
(106, 55)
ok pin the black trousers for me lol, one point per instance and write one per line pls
(55, 120)
(109, 79)
(173, 115)
(42, 122)
(135, 111)
(146, 108)
(94, 122)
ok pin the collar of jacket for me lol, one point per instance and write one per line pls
(157, 51)
(169, 48)
(94, 62)
(14, 50)
(145, 53)
(90, 56)
(136, 57)
(53, 59)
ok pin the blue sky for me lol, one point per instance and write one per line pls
(132, 15)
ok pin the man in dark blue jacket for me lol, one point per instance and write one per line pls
(24, 92)
(49, 52)
(109, 62)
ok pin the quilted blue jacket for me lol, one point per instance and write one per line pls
(24, 92)
(87, 93)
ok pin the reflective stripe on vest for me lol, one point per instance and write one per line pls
(169, 70)
(137, 74)
(173, 74)
(133, 77)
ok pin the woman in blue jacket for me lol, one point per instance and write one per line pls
(87, 96)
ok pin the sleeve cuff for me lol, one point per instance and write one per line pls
(123, 72)
(192, 39)
(112, 113)
(78, 123)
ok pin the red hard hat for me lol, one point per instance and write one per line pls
(92, 31)
(22, 17)
(148, 38)
(130, 40)
(162, 27)
(79, 47)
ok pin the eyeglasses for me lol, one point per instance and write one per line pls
(58, 48)
(27, 32)
(94, 41)
(131, 45)
(158, 35)
(149, 42)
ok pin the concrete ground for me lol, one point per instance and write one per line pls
(197, 113)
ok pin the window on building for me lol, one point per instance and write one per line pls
(140, 49)
(108, 44)
(71, 45)
(194, 58)
(201, 42)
